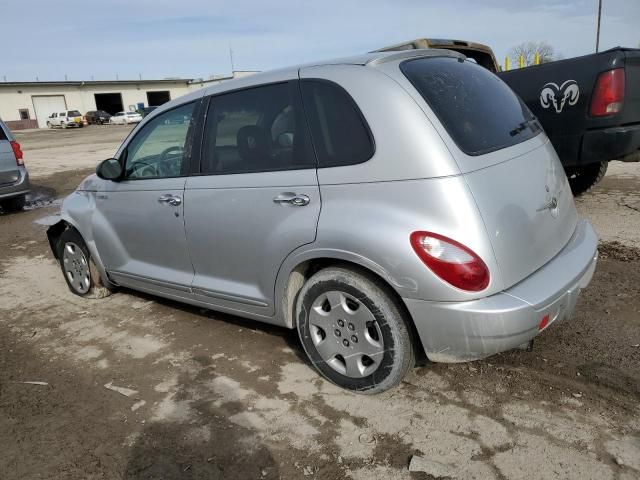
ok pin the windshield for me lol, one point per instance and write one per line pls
(479, 111)
(74, 113)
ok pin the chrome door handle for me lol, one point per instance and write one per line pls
(295, 199)
(172, 200)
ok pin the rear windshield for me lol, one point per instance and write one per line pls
(3, 136)
(74, 113)
(480, 112)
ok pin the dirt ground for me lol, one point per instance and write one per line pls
(212, 396)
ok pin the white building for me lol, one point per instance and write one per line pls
(29, 104)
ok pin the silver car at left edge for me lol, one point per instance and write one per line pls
(390, 207)
(14, 178)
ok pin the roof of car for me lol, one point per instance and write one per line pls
(371, 59)
(366, 59)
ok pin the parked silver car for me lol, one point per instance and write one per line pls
(387, 206)
(14, 178)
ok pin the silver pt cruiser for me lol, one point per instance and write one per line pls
(387, 206)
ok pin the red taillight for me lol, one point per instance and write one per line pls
(17, 151)
(608, 96)
(451, 261)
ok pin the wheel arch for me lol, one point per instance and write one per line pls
(55, 231)
(291, 280)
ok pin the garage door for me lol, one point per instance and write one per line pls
(45, 105)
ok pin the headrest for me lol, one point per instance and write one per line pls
(253, 143)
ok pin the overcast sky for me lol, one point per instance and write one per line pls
(191, 38)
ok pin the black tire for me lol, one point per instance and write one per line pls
(581, 179)
(95, 288)
(14, 204)
(388, 328)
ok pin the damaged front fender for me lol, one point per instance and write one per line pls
(53, 234)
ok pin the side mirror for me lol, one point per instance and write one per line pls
(109, 169)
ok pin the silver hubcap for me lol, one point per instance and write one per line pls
(346, 334)
(76, 267)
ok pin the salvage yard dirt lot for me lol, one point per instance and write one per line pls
(215, 396)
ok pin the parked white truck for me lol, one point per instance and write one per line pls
(68, 118)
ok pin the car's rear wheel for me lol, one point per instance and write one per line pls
(63, 125)
(14, 204)
(583, 178)
(78, 268)
(353, 331)
(49, 125)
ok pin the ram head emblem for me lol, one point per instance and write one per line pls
(558, 96)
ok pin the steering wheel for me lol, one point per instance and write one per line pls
(164, 168)
(140, 169)
(163, 155)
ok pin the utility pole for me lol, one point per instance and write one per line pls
(598, 32)
(231, 58)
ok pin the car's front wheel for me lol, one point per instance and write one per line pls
(78, 268)
(354, 331)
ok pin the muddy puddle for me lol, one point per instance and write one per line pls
(38, 197)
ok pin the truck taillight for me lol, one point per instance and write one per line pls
(17, 151)
(608, 96)
(451, 261)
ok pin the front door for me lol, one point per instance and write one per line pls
(257, 198)
(139, 224)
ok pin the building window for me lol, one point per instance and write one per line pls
(24, 114)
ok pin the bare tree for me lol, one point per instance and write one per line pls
(529, 50)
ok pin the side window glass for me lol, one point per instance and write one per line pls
(257, 130)
(158, 150)
(339, 131)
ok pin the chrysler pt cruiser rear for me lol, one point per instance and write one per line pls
(385, 206)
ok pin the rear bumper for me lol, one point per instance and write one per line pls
(618, 143)
(462, 331)
(21, 187)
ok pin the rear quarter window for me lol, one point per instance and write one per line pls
(478, 110)
(340, 133)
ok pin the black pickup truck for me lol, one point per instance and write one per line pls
(589, 106)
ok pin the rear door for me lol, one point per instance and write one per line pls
(511, 168)
(256, 198)
(9, 173)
